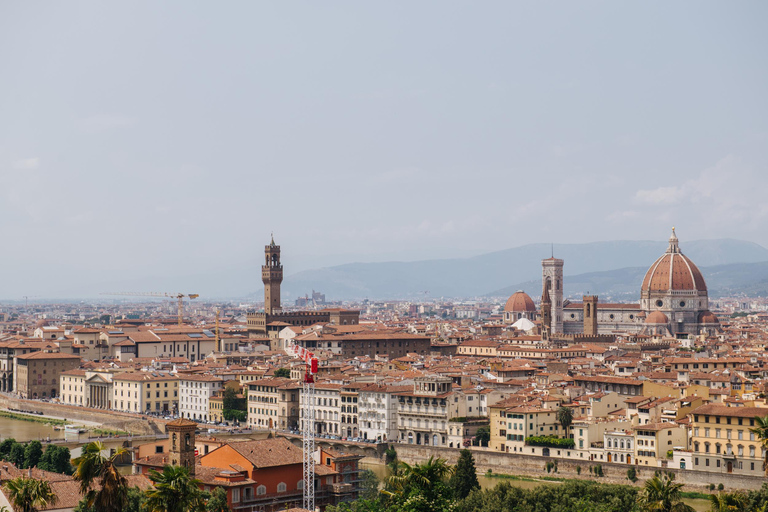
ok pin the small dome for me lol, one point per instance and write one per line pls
(657, 317)
(708, 317)
(520, 302)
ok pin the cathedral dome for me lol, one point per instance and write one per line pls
(520, 302)
(708, 317)
(657, 317)
(673, 271)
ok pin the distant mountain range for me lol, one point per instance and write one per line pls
(608, 268)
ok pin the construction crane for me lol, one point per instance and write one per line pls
(178, 296)
(308, 430)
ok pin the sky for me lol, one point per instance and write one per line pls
(143, 139)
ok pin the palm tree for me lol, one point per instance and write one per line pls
(112, 493)
(29, 494)
(174, 491)
(422, 487)
(728, 502)
(565, 418)
(761, 430)
(661, 494)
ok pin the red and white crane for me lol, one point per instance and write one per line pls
(308, 426)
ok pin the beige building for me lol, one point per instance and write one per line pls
(654, 440)
(722, 441)
(38, 373)
(423, 412)
(72, 387)
(145, 392)
(273, 403)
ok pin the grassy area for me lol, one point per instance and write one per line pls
(106, 432)
(695, 495)
(524, 478)
(34, 419)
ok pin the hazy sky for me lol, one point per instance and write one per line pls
(169, 138)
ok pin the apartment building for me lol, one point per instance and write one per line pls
(38, 373)
(423, 412)
(377, 411)
(145, 392)
(273, 403)
(327, 409)
(655, 440)
(194, 393)
(721, 441)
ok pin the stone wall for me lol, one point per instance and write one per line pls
(534, 466)
(108, 419)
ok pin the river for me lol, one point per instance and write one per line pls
(486, 482)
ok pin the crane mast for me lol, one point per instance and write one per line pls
(308, 424)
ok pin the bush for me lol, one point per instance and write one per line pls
(711, 487)
(578, 470)
(720, 487)
(632, 475)
(550, 442)
(599, 470)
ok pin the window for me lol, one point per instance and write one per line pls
(281, 487)
(235, 495)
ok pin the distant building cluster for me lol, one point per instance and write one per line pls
(675, 380)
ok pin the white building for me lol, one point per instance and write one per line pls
(377, 415)
(194, 394)
(327, 409)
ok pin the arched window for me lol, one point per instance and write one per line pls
(173, 442)
(262, 489)
(281, 487)
(300, 485)
(609, 443)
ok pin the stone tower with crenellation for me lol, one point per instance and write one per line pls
(272, 276)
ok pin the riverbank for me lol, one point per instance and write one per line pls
(45, 420)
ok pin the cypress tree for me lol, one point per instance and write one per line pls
(464, 479)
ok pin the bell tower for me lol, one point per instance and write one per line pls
(272, 276)
(590, 315)
(181, 437)
(546, 311)
(552, 276)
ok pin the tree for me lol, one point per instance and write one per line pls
(234, 407)
(5, 447)
(174, 491)
(728, 502)
(29, 494)
(218, 501)
(33, 452)
(112, 494)
(421, 488)
(483, 436)
(761, 430)
(56, 459)
(565, 418)
(17, 455)
(283, 372)
(464, 478)
(662, 494)
(369, 486)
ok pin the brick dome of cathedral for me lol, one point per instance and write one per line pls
(520, 302)
(708, 317)
(673, 271)
(657, 317)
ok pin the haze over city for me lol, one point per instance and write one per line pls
(141, 142)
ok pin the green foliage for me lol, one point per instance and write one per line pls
(570, 496)
(632, 475)
(174, 491)
(598, 470)
(17, 455)
(565, 418)
(283, 372)
(548, 466)
(464, 478)
(29, 494)
(234, 415)
(662, 494)
(134, 503)
(369, 487)
(483, 436)
(578, 470)
(711, 487)
(420, 488)
(5, 448)
(720, 487)
(550, 441)
(758, 500)
(729, 502)
(56, 459)
(33, 452)
(218, 501)
(93, 467)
